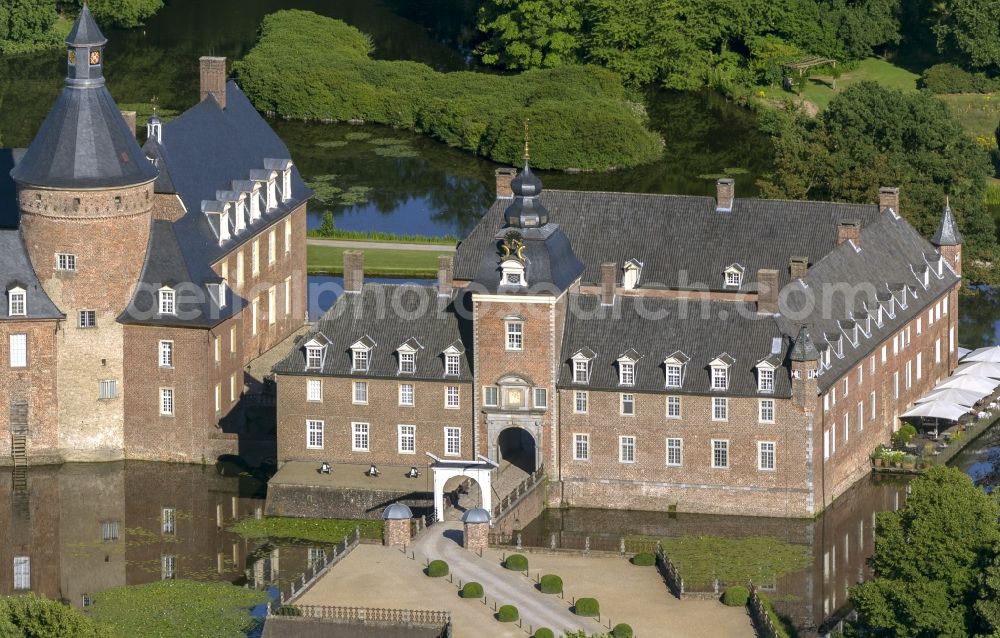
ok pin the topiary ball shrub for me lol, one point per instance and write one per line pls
(550, 584)
(644, 559)
(622, 630)
(736, 596)
(437, 569)
(587, 607)
(472, 590)
(544, 632)
(516, 562)
(507, 613)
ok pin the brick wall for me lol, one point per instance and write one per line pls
(35, 384)
(311, 501)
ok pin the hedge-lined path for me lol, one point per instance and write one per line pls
(442, 541)
(380, 245)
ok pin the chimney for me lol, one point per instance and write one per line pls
(608, 272)
(129, 121)
(213, 78)
(849, 229)
(445, 283)
(504, 177)
(725, 192)
(798, 266)
(767, 291)
(354, 270)
(888, 197)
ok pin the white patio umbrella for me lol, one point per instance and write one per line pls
(989, 354)
(979, 369)
(938, 410)
(952, 395)
(969, 382)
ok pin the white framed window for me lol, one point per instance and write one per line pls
(407, 437)
(360, 360)
(937, 350)
(406, 394)
(288, 236)
(167, 401)
(673, 407)
(951, 339)
(255, 257)
(920, 365)
(720, 453)
(360, 392)
(107, 389)
(22, 573)
(453, 441)
(272, 247)
(861, 416)
(626, 449)
(765, 413)
(626, 373)
(239, 268)
(166, 354)
(826, 444)
(765, 455)
(218, 397)
(541, 398)
(168, 567)
(232, 387)
(17, 302)
(944, 306)
(581, 371)
(65, 261)
(233, 339)
(18, 350)
(765, 379)
(895, 384)
(720, 409)
(675, 452)
(168, 518)
(288, 296)
(515, 335)
(314, 389)
(359, 438)
(451, 397)
(673, 375)
(167, 301)
(407, 362)
(733, 278)
(871, 409)
(217, 348)
(87, 319)
(272, 305)
(847, 424)
(627, 404)
(451, 365)
(314, 358)
(720, 378)
(314, 434)
(581, 447)
(580, 402)
(254, 311)
(491, 396)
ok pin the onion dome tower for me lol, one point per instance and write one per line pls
(85, 193)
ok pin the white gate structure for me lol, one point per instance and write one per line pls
(480, 470)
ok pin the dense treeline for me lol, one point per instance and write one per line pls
(311, 67)
(731, 44)
(871, 136)
(30, 25)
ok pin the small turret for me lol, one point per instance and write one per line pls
(948, 239)
(805, 359)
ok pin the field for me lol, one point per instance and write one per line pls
(328, 260)
(819, 89)
(979, 114)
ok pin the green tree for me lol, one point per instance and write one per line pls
(124, 13)
(927, 561)
(526, 34)
(37, 617)
(26, 25)
(873, 136)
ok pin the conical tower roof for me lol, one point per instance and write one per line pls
(804, 349)
(84, 142)
(947, 233)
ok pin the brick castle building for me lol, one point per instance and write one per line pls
(139, 282)
(723, 355)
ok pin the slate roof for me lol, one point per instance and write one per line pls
(203, 151)
(947, 233)
(16, 270)
(550, 264)
(371, 313)
(85, 31)
(671, 234)
(10, 215)
(657, 328)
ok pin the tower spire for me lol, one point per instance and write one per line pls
(527, 154)
(85, 44)
(947, 233)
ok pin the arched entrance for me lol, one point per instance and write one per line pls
(461, 493)
(516, 447)
(453, 472)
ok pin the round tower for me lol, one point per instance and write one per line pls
(85, 191)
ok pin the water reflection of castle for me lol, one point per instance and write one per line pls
(840, 542)
(77, 529)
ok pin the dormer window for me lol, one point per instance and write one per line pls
(218, 293)
(272, 195)
(241, 213)
(407, 362)
(451, 365)
(360, 354)
(720, 371)
(674, 369)
(734, 276)
(286, 183)
(167, 301)
(626, 371)
(836, 344)
(631, 275)
(765, 378)
(255, 203)
(878, 316)
(17, 302)
(315, 350)
(850, 330)
(512, 273)
(581, 365)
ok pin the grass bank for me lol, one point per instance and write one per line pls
(317, 530)
(357, 235)
(329, 260)
(306, 66)
(820, 88)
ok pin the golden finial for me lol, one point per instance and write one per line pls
(526, 153)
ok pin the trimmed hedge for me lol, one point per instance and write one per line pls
(472, 590)
(543, 632)
(622, 630)
(587, 607)
(516, 562)
(550, 584)
(306, 66)
(736, 596)
(644, 559)
(437, 569)
(507, 613)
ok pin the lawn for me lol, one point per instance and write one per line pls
(329, 260)
(978, 112)
(319, 530)
(819, 88)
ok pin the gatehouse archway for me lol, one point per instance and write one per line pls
(516, 446)
(446, 471)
